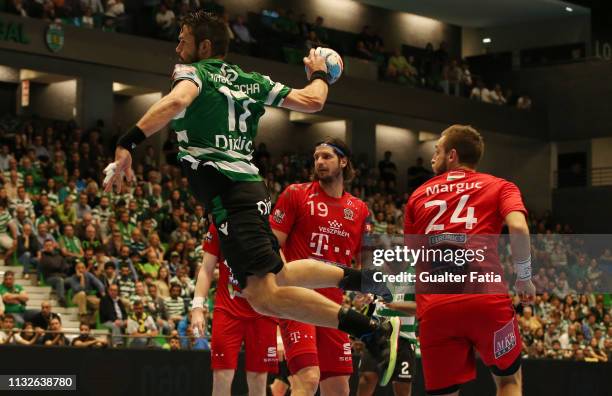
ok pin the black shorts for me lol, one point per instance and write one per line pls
(240, 213)
(404, 365)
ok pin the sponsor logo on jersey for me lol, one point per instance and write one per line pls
(272, 352)
(335, 228)
(229, 73)
(264, 207)
(208, 237)
(319, 242)
(447, 237)
(278, 216)
(348, 214)
(233, 283)
(504, 340)
(347, 348)
(295, 337)
(223, 228)
(219, 78)
(457, 188)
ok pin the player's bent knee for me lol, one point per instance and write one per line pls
(261, 294)
(508, 376)
(223, 375)
(335, 386)
(308, 378)
(509, 380)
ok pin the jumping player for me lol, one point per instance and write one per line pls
(460, 202)
(320, 220)
(235, 322)
(215, 109)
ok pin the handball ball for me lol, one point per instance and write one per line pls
(334, 63)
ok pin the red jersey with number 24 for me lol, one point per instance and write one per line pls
(319, 226)
(228, 296)
(460, 202)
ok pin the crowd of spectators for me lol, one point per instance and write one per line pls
(127, 260)
(427, 68)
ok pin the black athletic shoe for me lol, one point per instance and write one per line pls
(369, 285)
(382, 344)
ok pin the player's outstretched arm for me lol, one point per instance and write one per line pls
(521, 255)
(312, 97)
(198, 307)
(168, 107)
(160, 114)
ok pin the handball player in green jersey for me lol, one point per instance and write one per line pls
(214, 107)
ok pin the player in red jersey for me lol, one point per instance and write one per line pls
(461, 201)
(322, 221)
(235, 322)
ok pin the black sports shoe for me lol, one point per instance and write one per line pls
(382, 344)
(369, 285)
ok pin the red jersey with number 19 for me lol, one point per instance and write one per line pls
(462, 202)
(228, 296)
(319, 226)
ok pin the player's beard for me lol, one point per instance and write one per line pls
(329, 177)
(190, 58)
(442, 168)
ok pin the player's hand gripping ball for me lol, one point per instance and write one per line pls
(334, 63)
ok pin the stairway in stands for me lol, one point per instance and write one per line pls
(38, 294)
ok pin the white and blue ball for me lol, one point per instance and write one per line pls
(334, 63)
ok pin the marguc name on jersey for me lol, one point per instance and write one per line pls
(457, 188)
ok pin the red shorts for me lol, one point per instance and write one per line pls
(450, 332)
(307, 345)
(258, 335)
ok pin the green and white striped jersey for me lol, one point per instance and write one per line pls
(5, 219)
(408, 324)
(220, 125)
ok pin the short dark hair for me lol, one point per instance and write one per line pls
(9, 273)
(342, 150)
(467, 141)
(8, 316)
(173, 285)
(208, 26)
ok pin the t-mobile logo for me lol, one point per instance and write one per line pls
(294, 336)
(319, 242)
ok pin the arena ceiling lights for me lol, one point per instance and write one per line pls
(425, 136)
(304, 118)
(42, 77)
(484, 13)
(131, 90)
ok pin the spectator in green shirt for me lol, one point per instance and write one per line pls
(14, 297)
(70, 245)
(151, 266)
(125, 227)
(400, 69)
(66, 212)
(8, 232)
